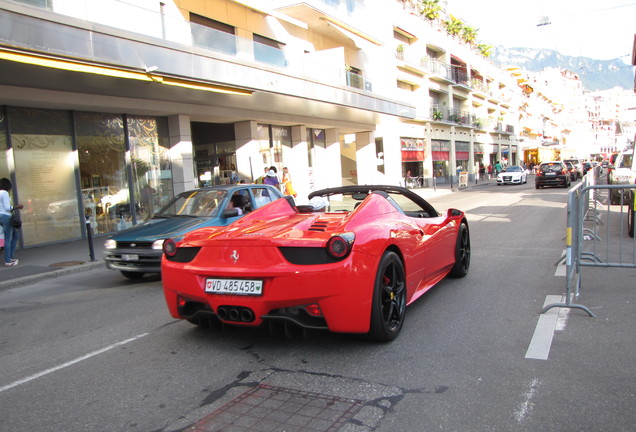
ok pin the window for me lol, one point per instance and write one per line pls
(212, 34)
(269, 51)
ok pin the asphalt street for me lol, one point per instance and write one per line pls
(91, 351)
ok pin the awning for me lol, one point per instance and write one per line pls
(149, 75)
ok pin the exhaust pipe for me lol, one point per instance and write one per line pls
(235, 313)
(247, 315)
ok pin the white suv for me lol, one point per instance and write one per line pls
(622, 173)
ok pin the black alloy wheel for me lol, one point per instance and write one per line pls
(389, 299)
(462, 253)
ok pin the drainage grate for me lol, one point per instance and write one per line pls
(268, 408)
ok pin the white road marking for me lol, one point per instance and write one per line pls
(541, 342)
(526, 405)
(69, 363)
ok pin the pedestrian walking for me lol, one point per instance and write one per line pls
(482, 171)
(7, 222)
(489, 171)
(288, 188)
(271, 178)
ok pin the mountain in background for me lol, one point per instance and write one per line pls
(594, 74)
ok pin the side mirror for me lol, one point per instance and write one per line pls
(233, 212)
(453, 212)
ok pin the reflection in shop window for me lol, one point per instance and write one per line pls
(152, 173)
(101, 150)
(45, 174)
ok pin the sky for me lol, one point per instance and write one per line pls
(602, 30)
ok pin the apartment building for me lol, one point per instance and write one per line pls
(101, 100)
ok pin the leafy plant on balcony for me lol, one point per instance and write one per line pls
(430, 9)
(469, 34)
(484, 49)
(437, 114)
(453, 25)
(454, 117)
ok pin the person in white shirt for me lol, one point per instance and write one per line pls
(10, 233)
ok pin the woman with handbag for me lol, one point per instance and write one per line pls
(10, 232)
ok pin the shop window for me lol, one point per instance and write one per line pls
(45, 174)
(101, 147)
(274, 145)
(4, 166)
(151, 168)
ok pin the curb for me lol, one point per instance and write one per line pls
(54, 273)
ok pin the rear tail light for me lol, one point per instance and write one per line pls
(313, 310)
(170, 247)
(340, 245)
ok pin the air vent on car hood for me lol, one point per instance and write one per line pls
(319, 226)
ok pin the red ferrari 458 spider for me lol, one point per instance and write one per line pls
(351, 261)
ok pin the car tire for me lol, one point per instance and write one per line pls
(132, 275)
(388, 307)
(462, 253)
(538, 186)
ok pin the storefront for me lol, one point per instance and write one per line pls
(462, 152)
(479, 159)
(412, 161)
(440, 151)
(69, 166)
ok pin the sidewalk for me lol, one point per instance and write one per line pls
(50, 261)
(45, 262)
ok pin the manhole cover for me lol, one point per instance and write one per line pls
(268, 408)
(67, 264)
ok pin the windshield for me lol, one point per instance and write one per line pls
(350, 201)
(625, 161)
(513, 169)
(197, 203)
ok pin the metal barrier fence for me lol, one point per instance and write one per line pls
(596, 233)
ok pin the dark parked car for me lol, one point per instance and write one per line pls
(138, 250)
(553, 173)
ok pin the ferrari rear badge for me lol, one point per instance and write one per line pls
(234, 256)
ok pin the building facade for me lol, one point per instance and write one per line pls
(109, 108)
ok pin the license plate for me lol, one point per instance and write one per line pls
(550, 174)
(130, 257)
(234, 286)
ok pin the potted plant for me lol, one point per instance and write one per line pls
(430, 9)
(453, 25)
(437, 114)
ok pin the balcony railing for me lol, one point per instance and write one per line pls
(461, 78)
(462, 118)
(155, 23)
(439, 68)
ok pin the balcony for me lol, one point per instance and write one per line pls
(459, 117)
(157, 49)
(439, 71)
(412, 61)
(461, 79)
